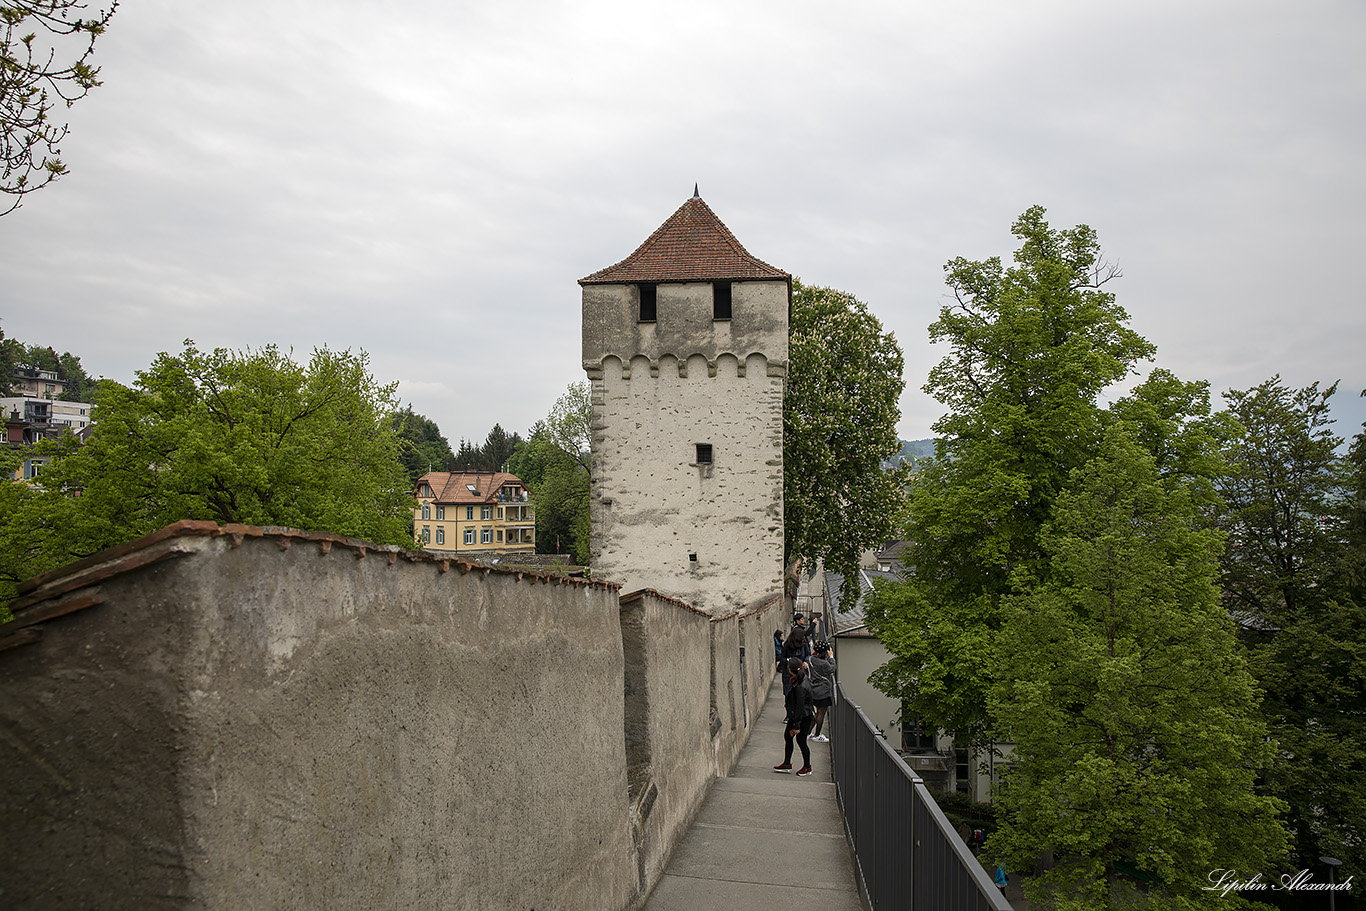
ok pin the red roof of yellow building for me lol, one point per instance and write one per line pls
(467, 486)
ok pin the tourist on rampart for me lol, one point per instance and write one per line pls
(798, 722)
(822, 668)
(795, 646)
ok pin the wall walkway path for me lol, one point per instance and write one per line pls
(763, 839)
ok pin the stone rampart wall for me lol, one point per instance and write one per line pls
(227, 718)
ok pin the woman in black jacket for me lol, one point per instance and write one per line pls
(798, 722)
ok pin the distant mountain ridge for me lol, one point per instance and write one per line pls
(911, 452)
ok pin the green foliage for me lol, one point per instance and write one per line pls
(14, 354)
(493, 455)
(247, 437)
(80, 387)
(554, 465)
(941, 655)
(422, 448)
(1031, 348)
(839, 424)
(1293, 571)
(10, 356)
(33, 81)
(1281, 492)
(1063, 594)
(1134, 719)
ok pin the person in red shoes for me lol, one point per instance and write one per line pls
(797, 724)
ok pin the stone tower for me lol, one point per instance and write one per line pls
(685, 342)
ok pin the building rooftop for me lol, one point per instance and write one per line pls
(467, 486)
(693, 245)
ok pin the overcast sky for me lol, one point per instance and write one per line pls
(426, 181)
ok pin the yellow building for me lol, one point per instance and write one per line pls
(474, 512)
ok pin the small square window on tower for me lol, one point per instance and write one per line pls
(703, 453)
(720, 300)
(647, 302)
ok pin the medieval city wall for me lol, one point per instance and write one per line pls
(675, 715)
(226, 718)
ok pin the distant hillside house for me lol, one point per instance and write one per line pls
(29, 419)
(474, 512)
(33, 383)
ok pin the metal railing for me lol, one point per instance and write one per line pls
(906, 854)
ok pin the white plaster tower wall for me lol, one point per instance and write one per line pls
(706, 532)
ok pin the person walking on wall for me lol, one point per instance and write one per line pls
(822, 669)
(802, 625)
(797, 724)
(793, 647)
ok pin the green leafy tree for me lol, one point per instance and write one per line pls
(35, 75)
(1134, 718)
(12, 496)
(422, 448)
(1293, 574)
(568, 425)
(1282, 493)
(247, 436)
(10, 356)
(80, 387)
(492, 454)
(839, 425)
(467, 456)
(555, 466)
(1031, 349)
(498, 448)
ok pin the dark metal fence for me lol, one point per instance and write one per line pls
(906, 854)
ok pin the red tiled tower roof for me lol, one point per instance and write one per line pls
(693, 245)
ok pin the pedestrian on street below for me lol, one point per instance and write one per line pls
(797, 724)
(822, 669)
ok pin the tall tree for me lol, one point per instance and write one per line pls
(497, 448)
(1134, 717)
(10, 357)
(34, 79)
(422, 448)
(555, 466)
(568, 425)
(79, 386)
(467, 456)
(1293, 574)
(247, 436)
(1282, 494)
(839, 425)
(1031, 349)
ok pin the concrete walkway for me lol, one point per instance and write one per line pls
(764, 839)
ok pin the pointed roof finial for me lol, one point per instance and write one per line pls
(693, 245)
(695, 194)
